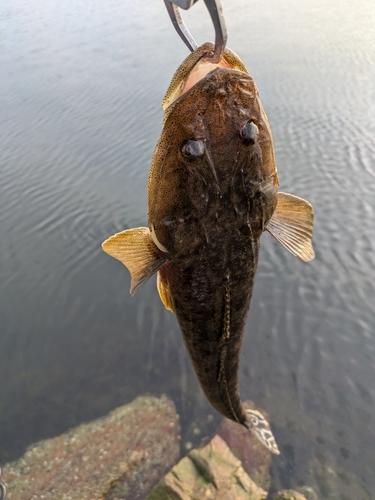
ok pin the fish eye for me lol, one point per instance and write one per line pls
(192, 149)
(249, 133)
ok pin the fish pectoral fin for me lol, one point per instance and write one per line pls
(292, 225)
(164, 291)
(261, 429)
(136, 250)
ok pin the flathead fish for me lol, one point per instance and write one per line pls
(212, 192)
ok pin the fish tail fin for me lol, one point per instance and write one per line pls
(261, 429)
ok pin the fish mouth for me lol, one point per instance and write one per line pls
(196, 67)
(201, 70)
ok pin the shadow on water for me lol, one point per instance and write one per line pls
(80, 117)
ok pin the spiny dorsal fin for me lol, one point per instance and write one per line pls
(164, 291)
(136, 250)
(292, 225)
(261, 429)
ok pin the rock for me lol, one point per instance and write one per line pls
(121, 455)
(334, 482)
(255, 457)
(308, 492)
(211, 472)
(199, 431)
(288, 495)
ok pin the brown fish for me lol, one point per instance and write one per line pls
(212, 191)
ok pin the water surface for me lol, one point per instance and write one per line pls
(81, 89)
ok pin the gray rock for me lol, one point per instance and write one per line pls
(255, 457)
(308, 492)
(288, 495)
(211, 472)
(119, 456)
(334, 482)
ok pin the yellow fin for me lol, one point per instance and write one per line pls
(136, 250)
(164, 292)
(292, 225)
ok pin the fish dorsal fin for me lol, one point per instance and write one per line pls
(164, 291)
(292, 225)
(136, 250)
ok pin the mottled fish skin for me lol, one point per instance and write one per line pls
(212, 191)
(209, 213)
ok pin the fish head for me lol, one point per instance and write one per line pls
(216, 143)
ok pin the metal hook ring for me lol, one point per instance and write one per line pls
(3, 490)
(215, 10)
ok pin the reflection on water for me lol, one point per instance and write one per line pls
(81, 92)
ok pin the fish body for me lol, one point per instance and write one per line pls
(212, 192)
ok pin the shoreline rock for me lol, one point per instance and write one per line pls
(211, 472)
(288, 495)
(256, 458)
(121, 455)
(132, 454)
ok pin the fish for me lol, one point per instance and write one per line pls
(212, 192)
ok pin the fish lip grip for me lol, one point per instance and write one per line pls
(215, 10)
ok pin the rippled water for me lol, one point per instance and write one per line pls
(81, 89)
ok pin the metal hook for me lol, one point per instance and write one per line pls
(217, 16)
(3, 490)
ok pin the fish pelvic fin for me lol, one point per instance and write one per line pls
(292, 225)
(136, 250)
(164, 291)
(261, 429)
